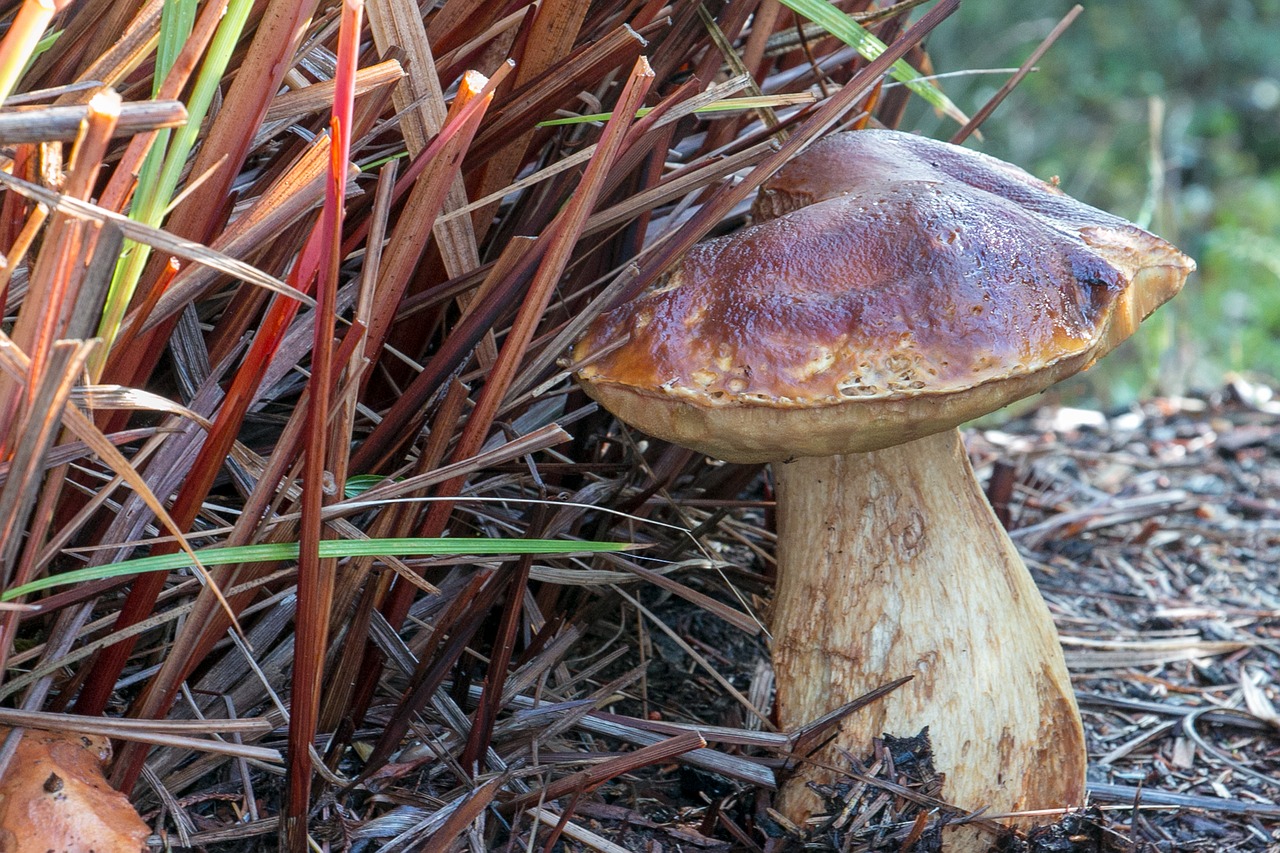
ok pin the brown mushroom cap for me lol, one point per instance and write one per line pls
(904, 287)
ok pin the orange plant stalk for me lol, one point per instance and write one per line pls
(315, 576)
(20, 41)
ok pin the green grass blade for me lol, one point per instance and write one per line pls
(358, 484)
(149, 206)
(41, 46)
(858, 37)
(176, 21)
(285, 551)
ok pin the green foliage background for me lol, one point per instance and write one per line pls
(1167, 113)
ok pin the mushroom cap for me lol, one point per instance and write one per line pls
(901, 287)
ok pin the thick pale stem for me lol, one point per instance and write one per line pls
(891, 563)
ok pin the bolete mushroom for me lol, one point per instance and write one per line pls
(897, 288)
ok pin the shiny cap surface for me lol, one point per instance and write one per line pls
(893, 287)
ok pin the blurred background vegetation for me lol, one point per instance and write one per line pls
(1164, 112)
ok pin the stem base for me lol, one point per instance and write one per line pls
(891, 563)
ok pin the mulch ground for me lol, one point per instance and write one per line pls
(1154, 534)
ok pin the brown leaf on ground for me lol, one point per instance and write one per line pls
(54, 797)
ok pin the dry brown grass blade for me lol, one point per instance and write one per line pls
(497, 39)
(534, 441)
(357, 593)
(123, 180)
(583, 836)
(162, 240)
(399, 422)
(669, 110)
(225, 145)
(457, 21)
(539, 439)
(206, 623)
(316, 575)
(426, 199)
(84, 59)
(647, 733)
(95, 397)
(465, 812)
(66, 285)
(399, 519)
(421, 103)
(17, 363)
(459, 621)
(36, 563)
(47, 395)
(739, 620)
(972, 125)
(723, 132)
(26, 27)
(585, 780)
(764, 24)
(536, 100)
(201, 631)
(63, 123)
(58, 272)
(551, 36)
(821, 119)
(293, 105)
(178, 733)
(699, 659)
(358, 360)
(204, 469)
(562, 237)
(379, 219)
(71, 451)
(419, 98)
(481, 734)
(285, 202)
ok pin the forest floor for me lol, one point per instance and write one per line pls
(1155, 537)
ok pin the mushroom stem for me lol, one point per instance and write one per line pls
(891, 563)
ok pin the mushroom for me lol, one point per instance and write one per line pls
(897, 287)
(54, 797)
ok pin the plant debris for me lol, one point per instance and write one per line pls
(54, 797)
